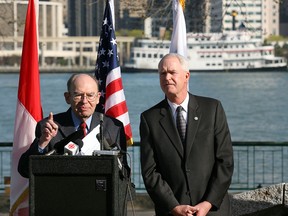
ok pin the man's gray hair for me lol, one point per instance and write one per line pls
(183, 61)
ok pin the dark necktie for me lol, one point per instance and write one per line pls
(181, 123)
(83, 128)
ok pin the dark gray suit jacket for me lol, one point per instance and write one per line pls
(201, 170)
(113, 131)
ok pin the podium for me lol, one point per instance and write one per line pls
(76, 185)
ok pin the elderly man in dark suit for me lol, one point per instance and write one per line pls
(186, 154)
(83, 96)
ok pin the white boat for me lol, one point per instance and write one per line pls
(233, 51)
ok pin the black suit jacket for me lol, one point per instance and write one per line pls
(113, 132)
(199, 171)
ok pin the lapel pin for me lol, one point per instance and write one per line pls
(196, 118)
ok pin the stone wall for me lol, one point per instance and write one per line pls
(262, 201)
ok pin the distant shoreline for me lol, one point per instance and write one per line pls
(51, 69)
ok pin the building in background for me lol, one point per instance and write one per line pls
(284, 18)
(13, 15)
(132, 14)
(260, 17)
(85, 17)
(197, 15)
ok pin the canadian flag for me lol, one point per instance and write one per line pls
(28, 110)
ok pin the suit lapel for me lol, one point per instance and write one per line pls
(194, 118)
(95, 121)
(66, 125)
(169, 127)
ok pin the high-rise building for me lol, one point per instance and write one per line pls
(85, 17)
(132, 14)
(197, 15)
(284, 17)
(260, 17)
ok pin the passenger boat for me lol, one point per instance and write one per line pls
(210, 52)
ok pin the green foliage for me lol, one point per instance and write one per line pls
(138, 33)
(130, 33)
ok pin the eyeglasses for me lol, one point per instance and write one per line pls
(80, 96)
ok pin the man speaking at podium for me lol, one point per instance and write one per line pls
(83, 96)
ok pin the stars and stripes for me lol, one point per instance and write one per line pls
(107, 71)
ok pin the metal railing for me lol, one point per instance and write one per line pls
(256, 164)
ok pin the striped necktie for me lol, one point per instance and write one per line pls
(181, 123)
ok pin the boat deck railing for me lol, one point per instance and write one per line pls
(256, 164)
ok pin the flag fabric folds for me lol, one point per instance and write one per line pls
(179, 38)
(107, 71)
(28, 110)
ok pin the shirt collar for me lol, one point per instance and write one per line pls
(77, 121)
(184, 104)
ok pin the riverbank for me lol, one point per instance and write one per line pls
(50, 69)
(77, 69)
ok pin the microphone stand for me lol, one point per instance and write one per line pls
(101, 133)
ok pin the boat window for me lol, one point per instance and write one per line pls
(138, 55)
(144, 55)
(161, 56)
(149, 55)
(155, 55)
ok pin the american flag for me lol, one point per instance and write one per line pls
(107, 71)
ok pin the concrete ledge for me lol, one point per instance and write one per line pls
(262, 200)
(268, 201)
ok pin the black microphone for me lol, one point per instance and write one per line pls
(59, 146)
(106, 145)
(101, 132)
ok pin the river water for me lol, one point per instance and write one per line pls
(256, 104)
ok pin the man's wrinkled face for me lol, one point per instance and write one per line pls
(83, 96)
(173, 78)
